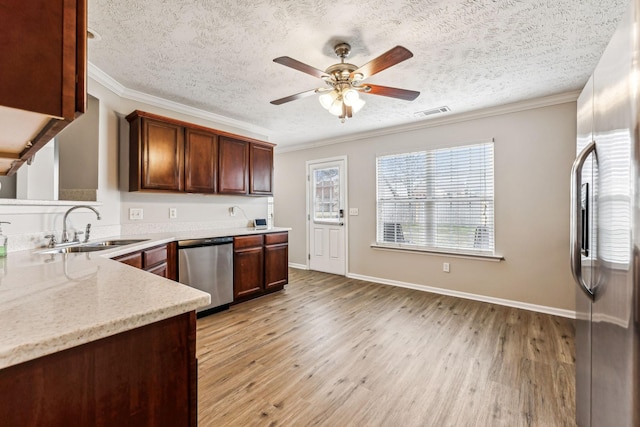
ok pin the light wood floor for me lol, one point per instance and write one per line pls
(333, 351)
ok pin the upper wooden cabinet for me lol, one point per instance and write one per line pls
(233, 164)
(157, 161)
(201, 161)
(170, 155)
(261, 169)
(43, 82)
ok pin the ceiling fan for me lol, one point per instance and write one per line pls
(344, 81)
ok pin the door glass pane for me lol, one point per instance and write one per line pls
(326, 204)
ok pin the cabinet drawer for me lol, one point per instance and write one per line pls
(154, 256)
(160, 270)
(275, 238)
(247, 241)
(134, 259)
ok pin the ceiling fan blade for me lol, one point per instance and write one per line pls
(384, 61)
(393, 92)
(294, 97)
(297, 65)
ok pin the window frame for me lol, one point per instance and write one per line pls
(430, 245)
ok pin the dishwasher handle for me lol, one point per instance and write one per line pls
(209, 241)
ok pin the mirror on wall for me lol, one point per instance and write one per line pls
(64, 169)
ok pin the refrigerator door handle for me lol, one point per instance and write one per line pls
(576, 226)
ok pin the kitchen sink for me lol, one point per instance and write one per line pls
(91, 247)
(70, 249)
(116, 242)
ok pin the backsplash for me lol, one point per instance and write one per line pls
(168, 227)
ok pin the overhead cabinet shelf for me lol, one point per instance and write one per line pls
(175, 156)
(43, 80)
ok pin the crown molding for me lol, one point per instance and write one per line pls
(528, 104)
(123, 92)
(106, 80)
(133, 95)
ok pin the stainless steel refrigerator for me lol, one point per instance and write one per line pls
(605, 235)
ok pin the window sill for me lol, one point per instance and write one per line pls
(454, 254)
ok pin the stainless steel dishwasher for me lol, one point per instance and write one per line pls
(207, 264)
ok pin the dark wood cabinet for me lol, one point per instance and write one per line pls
(201, 161)
(233, 166)
(248, 266)
(143, 377)
(133, 259)
(260, 264)
(171, 155)
(276, 260)
(43, 77)
(157, 160)
(160, 260)
(261, 169)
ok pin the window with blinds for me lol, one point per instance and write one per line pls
(439, 199)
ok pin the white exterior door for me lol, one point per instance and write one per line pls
(326, 215)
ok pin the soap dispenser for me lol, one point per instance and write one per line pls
(3, 241)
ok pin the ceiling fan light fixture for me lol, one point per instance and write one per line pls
(326, 99)
(350, 97)
(357, 105)
(343, 81)
(336, 107)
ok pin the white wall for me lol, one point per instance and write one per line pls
(78, 150)
(534, 150)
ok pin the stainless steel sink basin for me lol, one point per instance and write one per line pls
(92, 247)
(116, 242)
(70, 249)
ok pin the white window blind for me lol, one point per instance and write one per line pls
(439, 199)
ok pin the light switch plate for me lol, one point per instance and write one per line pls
(135, 213)
(353, 211)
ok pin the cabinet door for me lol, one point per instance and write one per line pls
(276, 265)
(162, 155)
(233, 166)
(261, 169)
(43, 56)
(201, 161)
(247, 272)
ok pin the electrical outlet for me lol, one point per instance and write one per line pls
(445, 267)
(353, 211)
(173, 213)
(135, 213)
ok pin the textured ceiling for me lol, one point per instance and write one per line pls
(217, 55)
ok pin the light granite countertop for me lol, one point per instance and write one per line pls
(52, 302)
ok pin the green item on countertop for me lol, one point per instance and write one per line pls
(3, 241)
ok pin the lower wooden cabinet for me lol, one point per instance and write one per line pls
(160, 260)
(143, 377)
(276, 260)
(260, 264)
(248, 266)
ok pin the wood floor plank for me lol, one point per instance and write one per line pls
(332, 351)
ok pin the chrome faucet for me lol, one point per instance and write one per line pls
(65, 236)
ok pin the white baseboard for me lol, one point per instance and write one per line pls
(298, 266)
(499, 301)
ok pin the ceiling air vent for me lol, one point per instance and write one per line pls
(427, 113)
